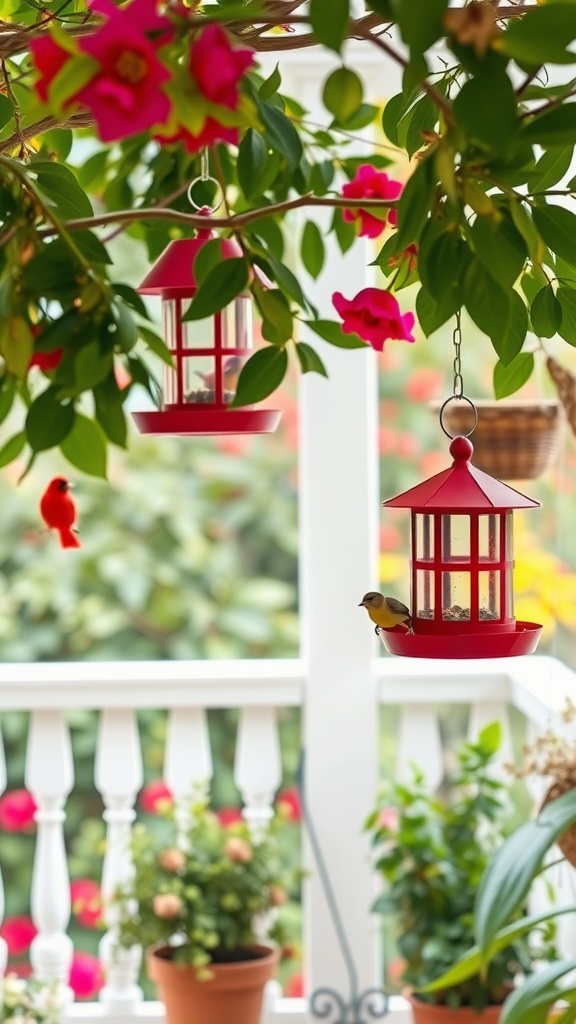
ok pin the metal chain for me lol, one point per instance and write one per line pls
(458, 390)
(204, 168)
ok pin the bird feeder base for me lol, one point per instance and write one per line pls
(205, 422)
(522, 640)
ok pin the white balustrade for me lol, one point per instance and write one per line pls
(187, 761)
(258, 765)
(3, 943)
(420, 744)
(50, 777)
(118, 777)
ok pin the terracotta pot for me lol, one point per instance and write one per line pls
(233, 996)
(431, 1013)
(513, 440)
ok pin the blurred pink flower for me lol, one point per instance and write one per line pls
(47, 360)
(424, 383)
(229, 815)
(86, 902)
(388, 818)
(374, 315)
(294, 987)
(370, 183)
(288, 803)
(155, 797)
(17, 809)
(238, 850)
(211, 131)
(218, 67)
(86, 976)
(166, 905)
(49, 59)
(172, 859)
(18, 932)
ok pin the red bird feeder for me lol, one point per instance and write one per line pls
(462, 566)
(208, 354)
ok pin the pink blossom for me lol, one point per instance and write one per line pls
(86, 902)
(294, 987)
(17, 810)
(49, 59)
(229, 816)
(374, 315)
(156, 797)
(238, 850)
(172, 859)
(370, 183)
(388, 819)
(125, 95)
(86, 976)
(218, 67)
(288, 803)
(166, 905)
(47, 361)
(277, 896)
(18, 932)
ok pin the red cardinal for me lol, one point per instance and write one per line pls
(59, 511)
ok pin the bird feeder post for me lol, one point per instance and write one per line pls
(462, 566)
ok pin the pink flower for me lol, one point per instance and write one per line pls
(238, 850)
(18, 932)
(410, 253)
(277, 896)
(423, 384)
(388, 819)
(374, 315)
(17, 810)
(86, 977)
(125, 95)
(166, 905)
(172, 859)
(47, 361)
(294, 987)
(156, 797)
(288, 803)
(49, 58)
(229, 816)
(86, 902)
(218, 67)
(370, 183)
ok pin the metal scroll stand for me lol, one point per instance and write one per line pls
(326, 1003)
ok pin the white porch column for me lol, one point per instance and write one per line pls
(339, 528)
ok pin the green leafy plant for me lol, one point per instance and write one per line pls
(28, 1001)
(432, 852)
(208, 894)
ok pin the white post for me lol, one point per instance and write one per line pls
(187, 761)
(257, 765)
(118, 777)
(50, 777)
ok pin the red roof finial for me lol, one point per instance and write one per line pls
(461, 450)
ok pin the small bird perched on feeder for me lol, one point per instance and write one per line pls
(385, 612)
(59, 511)
(230, 374)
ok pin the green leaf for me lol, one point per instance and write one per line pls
(508, 379)
(309, 359)
(550, 168)
(221, 285)
(537, 992)
(415, 202)
(6, 110)
(555, 128)
(567, 299)
(490, 738)
(252, 163)
(91, 366)
(156, 344)
(126, 334)
(7, 394)
(333, 333)
(110, 413)
(439, 259)
(271, 85)
(261, 375)
(394, 111)
(289, 284)
(206, 258)
(329, 20)
(486, 303)
(61, 188)
(85, 447)
(282, 134)
(558, 229)
(432, 313)
(16, 345)
(312, 249)
(48, 422)
(342, 93)
(510, 343)
(485, 109)
(423, 116)
(277, 320)
(545, 313)
(500, 247)
(524, 223)
(420, 23)
(541, 36)
(344, 231)
(12, 448)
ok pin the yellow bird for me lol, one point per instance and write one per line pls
(385, 612)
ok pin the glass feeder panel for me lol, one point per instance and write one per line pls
(489, 595)
(170, 388)
(424, 594)
(456, 597)
(509, 542)
(231, 367)
(508, 596)
(455, 538)
(237, 323)
(197, 333)
(199, 378)
(169, 322)
(424, 538)
(489, 538)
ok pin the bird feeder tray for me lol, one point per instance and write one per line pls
(462, 566)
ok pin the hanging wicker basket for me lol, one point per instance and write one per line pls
(516, 440)
(567, 841)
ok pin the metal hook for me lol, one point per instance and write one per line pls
(458, 398)
(204, 178)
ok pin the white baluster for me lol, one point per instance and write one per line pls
(49, 777)
(188, 760)
(118, 777)
(482, 713)
(258, 765)
(3, 944)
(420, 743)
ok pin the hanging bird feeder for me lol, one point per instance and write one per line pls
(462, 602)
(207, 354)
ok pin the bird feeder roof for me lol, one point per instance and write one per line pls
(461, 488)
(173, 271)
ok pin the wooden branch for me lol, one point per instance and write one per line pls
(46, 124)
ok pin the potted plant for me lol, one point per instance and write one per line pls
(549, 995)
(29, 1001)
(432, 852)
(203, 904)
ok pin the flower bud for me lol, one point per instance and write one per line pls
(166, 905)
(172, 859)
(238, 850)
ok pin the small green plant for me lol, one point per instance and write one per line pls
(209, 893)
(28, 1001)
(432, 852)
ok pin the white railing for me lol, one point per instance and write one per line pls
(420, 689)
